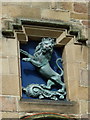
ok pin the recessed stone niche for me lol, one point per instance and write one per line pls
(66, 39)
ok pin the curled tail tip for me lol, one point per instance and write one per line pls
(23, 89)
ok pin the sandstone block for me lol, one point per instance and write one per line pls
(40, 4)
(5, 66)
(0, 84)
(83, 107)
(13, 65)
(4, 47)
(0, 66)
(10, 10)
(83, 78)
(12, 47)
(53, 5)
(32, 12)
(10, 85)
(8, 103)
(55, 15)
(68, 54)
(80, 7)
(0, 47)
(43, 107)
(78, 54)
(65, 5)
(10, 115)
(14, 10)
(79, 16)
(83, 93)
(85, 54)
(71, 83)
(86, 23)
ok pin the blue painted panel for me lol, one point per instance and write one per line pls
(29, 74)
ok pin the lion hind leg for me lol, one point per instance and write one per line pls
(49, 84)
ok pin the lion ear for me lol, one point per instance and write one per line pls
(43, 39)
(53, 41)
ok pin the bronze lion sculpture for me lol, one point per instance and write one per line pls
(40, 60)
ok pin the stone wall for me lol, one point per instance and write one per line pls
(76, 57)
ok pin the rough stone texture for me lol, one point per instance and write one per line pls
(0, 84)
(25, 11)
(80, 7)
(53, 5)
(10, 115)
(9, 47)
(13, 65)
(65, 5)
(41, 4)
(10, 85)
(82, 93)
(72, 83)
(79, 16)
(8, 103)
(85, 116)
(43, 107)
(84, 78)
(84, 107)
(0, 47)
(86, 23)
(55, 15)
(0, 66)
(5, 66)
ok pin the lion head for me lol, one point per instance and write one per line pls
(47, 44)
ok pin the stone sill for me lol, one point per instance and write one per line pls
(62, 107)
(49, 102)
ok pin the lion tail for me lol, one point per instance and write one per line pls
(59, 59)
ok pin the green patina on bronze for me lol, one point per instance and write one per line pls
(40, 60)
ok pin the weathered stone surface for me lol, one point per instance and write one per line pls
(0, 84)
(86, 23)
(0, 47)
(85, 53)
(9, 47)
(20, 11)
(82, 93)
(83, 107)
(79, 16)
(10, 115)
(55, 15)
(41, 4)
(68, 54)
(4, 47)
(10, 85)
(53, 5)
(65, 5)
(72, 82)
(78, 54)
(80, 7)
(5, 66)
(13, 65)
(83, 78)
(0, 66)
(85, 116)
(8, 103)
(12, 47)
(43, 107)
